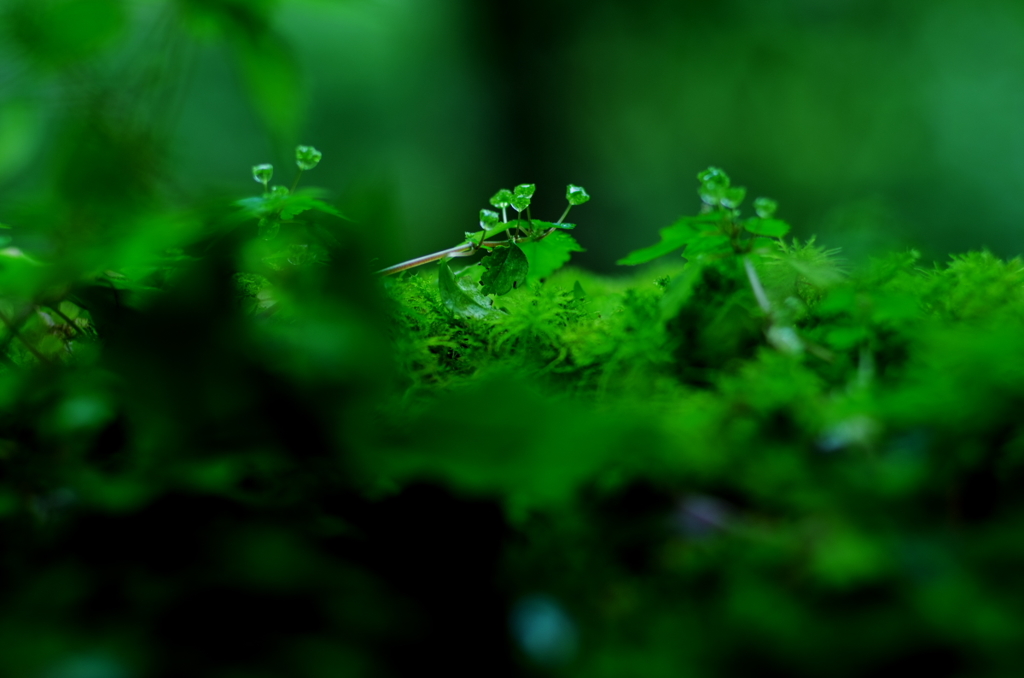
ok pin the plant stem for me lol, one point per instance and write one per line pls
(564, 214)
(755, 284)
(463, 250)
(296, 182)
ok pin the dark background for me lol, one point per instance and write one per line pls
(872, 123)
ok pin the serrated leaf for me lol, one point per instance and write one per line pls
(550, 254)
(710, 244)
(772, 228)
(466, 301)
(673, 237)
(506, 267)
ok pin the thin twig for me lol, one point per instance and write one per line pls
(755, 284)
(463, 250)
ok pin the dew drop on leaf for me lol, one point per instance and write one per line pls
(488, 219)
(732, 197)
(502, 199)
(519, 202)
(765, 207)
(307, 157)
(262, 173)
(525, 190)
(576, 195)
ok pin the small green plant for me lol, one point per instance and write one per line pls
(279, 206)
(531, 249)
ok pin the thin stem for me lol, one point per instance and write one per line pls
(463, 250)
(296, 182)
(755, 284)
(564, 214)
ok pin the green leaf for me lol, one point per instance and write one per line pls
(525, 190)
(711, 244)
(545, 225)
(519, 202)
(287, 205)
(488, 219)
(502, 198)
(765, 207)
(262, 173)
(772, 228)
(732, 197)
(550, 254)
(674, 237)
(576, 195)
(307, 157)
(506, 268)
(462, 300)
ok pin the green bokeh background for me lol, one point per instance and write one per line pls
(873, 123)
(217, 487)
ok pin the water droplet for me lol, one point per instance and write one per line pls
(713, 186)
(576, 195)
(307, 157)
(488, 219)
(502, 199)
(714, 175)
(543, 630)
(519, 202)
(262, 173)
(732, 197)
(525, 190)
(765, 207)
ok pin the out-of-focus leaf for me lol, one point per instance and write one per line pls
(550, 254)
(506, 267)
(772, 228)
(460, 299)
(674, 237)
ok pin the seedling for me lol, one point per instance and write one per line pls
(528, 244)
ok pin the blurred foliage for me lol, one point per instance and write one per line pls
(228, 449)
(878, 124)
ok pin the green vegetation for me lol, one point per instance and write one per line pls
(228, 448)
